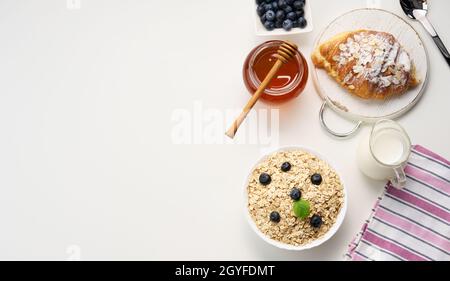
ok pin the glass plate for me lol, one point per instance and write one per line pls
(354, 107)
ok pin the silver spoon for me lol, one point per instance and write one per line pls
(417, 9)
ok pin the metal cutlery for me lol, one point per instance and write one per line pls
(417, 9)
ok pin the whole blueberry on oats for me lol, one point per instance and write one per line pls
(286, 167)
(316, 179)
(275, 217)
(265, 179)
(316, 221)
(296, 194)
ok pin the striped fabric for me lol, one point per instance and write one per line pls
(411, 224)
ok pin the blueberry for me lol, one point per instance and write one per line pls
(290, 2)
(316, 221)
(316, 179)
(267, 7)
(300, 13)
(287, 24)
(302, 23)
(269, 1)
(282, 4)
(260, 10)
(275, 217)
(279, 24)
(263, 18)
(280, 15)
(274, 5)
(292, 16)
(270, 15)
(288, 9)
(264, 178)
(258, 2)
(269, 25)
(299, 5)
(286, 167)
(294, 23)
(296, 194)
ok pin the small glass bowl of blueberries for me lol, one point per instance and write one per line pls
(277, 17)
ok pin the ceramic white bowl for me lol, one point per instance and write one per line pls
(281, 245)
(262, 31)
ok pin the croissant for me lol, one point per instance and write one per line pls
(367, 63)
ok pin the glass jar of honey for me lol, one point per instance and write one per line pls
(287, 84)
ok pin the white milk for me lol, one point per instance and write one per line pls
(389, 147)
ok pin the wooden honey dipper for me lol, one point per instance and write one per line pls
(285, 52)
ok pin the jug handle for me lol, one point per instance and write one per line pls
(399, 181)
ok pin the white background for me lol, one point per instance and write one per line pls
(88, 168)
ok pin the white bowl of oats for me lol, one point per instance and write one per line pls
(294, 199)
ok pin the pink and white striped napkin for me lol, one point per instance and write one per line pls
(413, 223)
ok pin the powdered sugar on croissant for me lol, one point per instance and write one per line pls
(369, 64)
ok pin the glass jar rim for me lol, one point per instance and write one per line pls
(256, 81)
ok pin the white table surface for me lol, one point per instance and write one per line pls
(88, 167)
